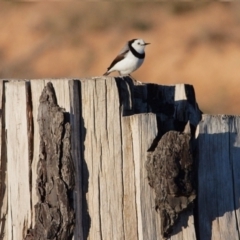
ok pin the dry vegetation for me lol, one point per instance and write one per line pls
(191, 43)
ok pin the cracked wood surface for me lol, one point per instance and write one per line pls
(19, 216)
(120, 132)
(218, 177)
(3, 169)
(116, 198)
(113, 125)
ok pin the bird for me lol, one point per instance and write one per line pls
(129, 59)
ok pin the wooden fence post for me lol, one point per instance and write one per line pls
(218, 177)
(114, 124)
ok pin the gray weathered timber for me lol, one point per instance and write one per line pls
(120, 140)
(18, 179)
(218, 177)
(103, 159)
(114, 122)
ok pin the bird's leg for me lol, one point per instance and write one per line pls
(134, 79)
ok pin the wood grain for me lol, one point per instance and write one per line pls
(114, 123)
(115, 151)
(19, 199)
(218, 194)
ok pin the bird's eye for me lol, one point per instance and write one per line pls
(139, 43)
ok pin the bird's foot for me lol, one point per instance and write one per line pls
(135, 80)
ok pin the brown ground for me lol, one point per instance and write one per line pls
(190, 43)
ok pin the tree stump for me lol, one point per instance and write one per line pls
(110, 126)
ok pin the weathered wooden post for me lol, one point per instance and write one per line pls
(76, 158)
(218, 177)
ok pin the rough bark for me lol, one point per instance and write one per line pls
(54, 215)
(171, 173)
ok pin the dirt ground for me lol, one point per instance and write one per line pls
(195, 43)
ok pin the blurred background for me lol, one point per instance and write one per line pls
(195, 43)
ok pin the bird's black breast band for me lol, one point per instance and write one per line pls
(134, 52)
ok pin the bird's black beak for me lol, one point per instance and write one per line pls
(146, 43)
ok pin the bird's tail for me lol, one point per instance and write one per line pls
(106, 73)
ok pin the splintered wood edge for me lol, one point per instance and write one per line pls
(3, 166)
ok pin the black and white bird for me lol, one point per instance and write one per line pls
(129, 59)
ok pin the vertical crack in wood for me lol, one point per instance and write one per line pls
(135, 188)
(99, 207)
(196, 173)
(54, 218)
(121, 144)
(29, 116)
(83, 220)
(170, 169)
(3, 167)
(230, 124)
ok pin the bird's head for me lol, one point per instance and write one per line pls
(139, 45)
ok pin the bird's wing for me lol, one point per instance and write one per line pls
(124, 49)
(118, 58)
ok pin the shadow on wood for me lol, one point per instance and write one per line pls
(218, 177)
(114, 125)
(78, 148)
(174, 106)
